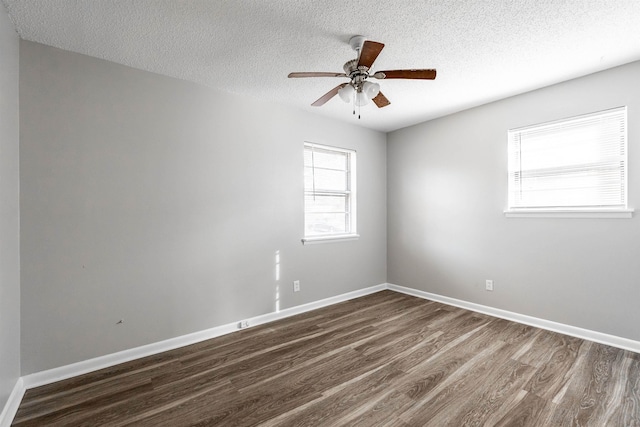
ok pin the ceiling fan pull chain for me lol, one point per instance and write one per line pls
(354, 102)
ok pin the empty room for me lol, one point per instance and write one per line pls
(295, 213)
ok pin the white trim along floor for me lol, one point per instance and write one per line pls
(63, 372)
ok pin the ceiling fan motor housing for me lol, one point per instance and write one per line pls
(350, 66)
(357, 74)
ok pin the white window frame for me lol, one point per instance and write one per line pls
(518, 208)
(349, 194)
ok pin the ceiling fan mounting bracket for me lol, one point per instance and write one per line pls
(356, 42)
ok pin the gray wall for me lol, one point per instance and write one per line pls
(447, 187)
(163, 203)
(9, 210)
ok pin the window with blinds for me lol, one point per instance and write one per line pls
(329, 191)
(578, 163)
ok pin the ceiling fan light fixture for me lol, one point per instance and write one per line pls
(361, 99)
(346, 93)
(371, 90)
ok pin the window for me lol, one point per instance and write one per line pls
(329, 193)
(572, 165)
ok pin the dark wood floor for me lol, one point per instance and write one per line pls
(386, 359)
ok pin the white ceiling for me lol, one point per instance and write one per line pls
(483, 50)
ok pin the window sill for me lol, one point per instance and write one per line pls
(329, 239)
(569, 213)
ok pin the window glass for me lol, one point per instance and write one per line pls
(329, 191)
(576, 163)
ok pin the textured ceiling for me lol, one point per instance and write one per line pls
(483, 50)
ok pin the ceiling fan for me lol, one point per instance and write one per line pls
(359, 89)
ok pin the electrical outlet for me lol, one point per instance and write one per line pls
(296, 286)
(489, 285)
(243, 324)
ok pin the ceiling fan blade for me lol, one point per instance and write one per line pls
(369, 53)
(380, 100)
(315, 74)
(426, 74)
(327, 96)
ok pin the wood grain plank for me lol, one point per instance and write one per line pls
(627, 412)
(497, 385)
(338, 404)
(552, 376)
(527, 412)
(590, 393)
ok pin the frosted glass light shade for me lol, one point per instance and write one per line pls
(361, 99)
(346, 93)
(371, 90)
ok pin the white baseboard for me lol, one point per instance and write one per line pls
(586, 334)
(64, 372)
(57, 374)
(11, 407)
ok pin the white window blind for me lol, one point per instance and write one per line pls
(576, 163)
(329, 191)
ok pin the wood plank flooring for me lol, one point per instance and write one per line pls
(386, 359)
